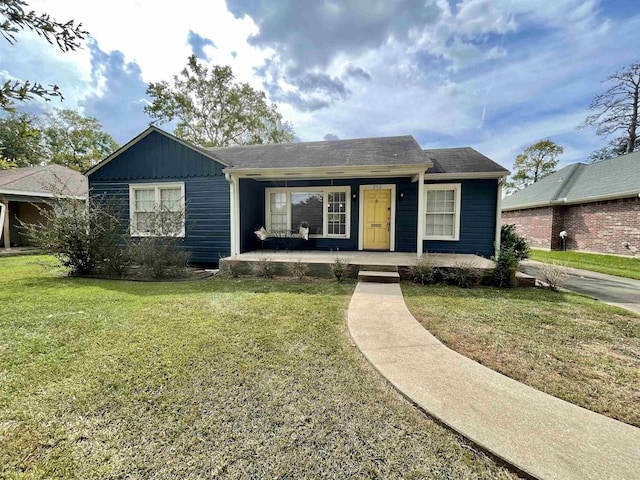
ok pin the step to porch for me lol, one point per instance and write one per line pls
(376, 276)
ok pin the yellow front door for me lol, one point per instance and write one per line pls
(377, 220)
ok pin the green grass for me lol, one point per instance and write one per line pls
(218, 378)
(567, 345)
(610, 264)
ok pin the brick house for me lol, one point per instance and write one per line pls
(598, 205)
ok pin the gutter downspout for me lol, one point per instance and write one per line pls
(421, 214)
(501, 181)
(233, 213)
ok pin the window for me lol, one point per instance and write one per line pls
(325, 210)
(156, 209)
(442, 212)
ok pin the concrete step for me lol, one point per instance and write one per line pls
(378, 277)
(379, 268)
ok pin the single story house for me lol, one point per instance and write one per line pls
(381, 194)
(24, 191)
(597, 205)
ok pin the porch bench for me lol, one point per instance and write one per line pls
(287, 236)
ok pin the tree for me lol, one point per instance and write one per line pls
(75, 141)
(536, 162)
(615, 148)
(616, 109)
(66, 36)
(19, 141)
(213, 109)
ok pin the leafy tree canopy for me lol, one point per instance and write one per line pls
(536, 162)
(75, 141)
(67, 36)
(213, 109)
(617, 109)
(19, 141)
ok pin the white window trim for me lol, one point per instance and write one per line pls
(457, 188)
(325, 189)
(392, 226)
(157, 186)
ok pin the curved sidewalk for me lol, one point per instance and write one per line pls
(541, 435)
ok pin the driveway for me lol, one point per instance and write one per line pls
(619, 291)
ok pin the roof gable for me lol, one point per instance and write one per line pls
(155, 154)
(614, 178)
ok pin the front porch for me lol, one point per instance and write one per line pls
(318, 262)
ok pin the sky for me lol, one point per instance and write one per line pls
(496, 75)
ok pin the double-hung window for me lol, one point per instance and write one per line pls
(157, 209)
(324, 210)
(442, 212)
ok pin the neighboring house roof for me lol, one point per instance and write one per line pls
(43, 181)
(400, 152)
(579, 183)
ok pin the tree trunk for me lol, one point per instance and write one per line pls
(631, 144)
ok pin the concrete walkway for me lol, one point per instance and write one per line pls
(618, 291)
(539, 434)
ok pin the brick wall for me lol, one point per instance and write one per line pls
(604, 227)
(612, 226)
(535, 224)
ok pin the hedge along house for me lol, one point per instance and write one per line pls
(374, 194)
(597, 205)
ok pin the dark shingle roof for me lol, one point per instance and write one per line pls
(48, 179)
(334, 153)
(579, 182)
(461, 160)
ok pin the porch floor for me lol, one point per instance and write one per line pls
(362, 258)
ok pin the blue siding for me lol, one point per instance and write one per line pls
(157, 158)
(477, 220)
(477, 217)
(252, 215)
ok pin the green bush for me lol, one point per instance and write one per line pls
(504, 273)
(463, 275)
(339, 268)
(510, 240)
(422, 271)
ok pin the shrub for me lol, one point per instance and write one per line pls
(298, 270)
(86, 237)
(504, 273)
(510, 240)
(462, 274)
(339, 268)
(265, 267)
(159, 257)
(553, 275)
(422, 271)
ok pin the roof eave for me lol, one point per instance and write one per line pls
(466, 175)
(344, 171)
(564, 201)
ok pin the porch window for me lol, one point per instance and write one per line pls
(442, 212)
(325, 210)
(156, 209)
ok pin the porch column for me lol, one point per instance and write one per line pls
(234, 213)
(5, 227)
(421, 214)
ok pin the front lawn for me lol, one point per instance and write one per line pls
(621, 266)
(218, 378)
(567, 345)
